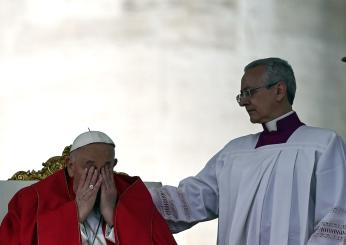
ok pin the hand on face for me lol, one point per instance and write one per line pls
(86, 193)
(86, 196)
(108, 193)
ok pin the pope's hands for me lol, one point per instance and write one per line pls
(92, 180)
(86, 192)
(108, 193)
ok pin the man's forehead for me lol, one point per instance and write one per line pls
(94, 150)
(253, 76)
(96, 147)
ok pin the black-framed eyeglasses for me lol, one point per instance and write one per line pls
(248, 92)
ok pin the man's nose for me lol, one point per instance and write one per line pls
(244, 101)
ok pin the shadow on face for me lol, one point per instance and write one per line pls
(95, 155)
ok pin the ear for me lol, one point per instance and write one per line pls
(115, 162)
(70, 166)
(281, 91)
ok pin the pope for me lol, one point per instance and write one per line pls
(85, 203)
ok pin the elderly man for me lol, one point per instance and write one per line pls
(285, 185)
(80, 204)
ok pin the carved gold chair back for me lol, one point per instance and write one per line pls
(52, 165)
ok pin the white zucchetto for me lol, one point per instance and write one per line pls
(91, 137)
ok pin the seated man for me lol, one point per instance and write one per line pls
(85, 203)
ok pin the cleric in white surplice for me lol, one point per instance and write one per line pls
(285, 185)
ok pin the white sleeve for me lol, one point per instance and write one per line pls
(195, 199)
(109, 233)
(330, 199)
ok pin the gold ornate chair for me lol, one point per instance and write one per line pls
(22, 179)
(52, 165)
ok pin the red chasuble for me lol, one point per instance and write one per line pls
(46, 213)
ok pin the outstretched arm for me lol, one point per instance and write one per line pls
(196, 199)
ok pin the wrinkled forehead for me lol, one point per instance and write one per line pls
(254, 77)
(95, 151)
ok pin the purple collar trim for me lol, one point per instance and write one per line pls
(285, 128)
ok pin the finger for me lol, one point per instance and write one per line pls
(104, 176)
(89, 176)
(110, 174)
(110, 179)
(94, 177)
(98, 183)
(82, 179)
(93, 192)
(107, 169)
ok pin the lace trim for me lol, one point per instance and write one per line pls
(186, 207)
(331, 230)
(167, 204)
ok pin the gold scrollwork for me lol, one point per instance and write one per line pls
(52, 165)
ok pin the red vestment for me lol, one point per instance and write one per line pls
(46, 213)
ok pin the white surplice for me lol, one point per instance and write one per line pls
(292, 193)
(92, 225)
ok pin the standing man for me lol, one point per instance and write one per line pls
(284, 185)
(85, 203)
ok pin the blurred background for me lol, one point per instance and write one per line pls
(158, 76)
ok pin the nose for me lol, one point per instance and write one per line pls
(244, 102)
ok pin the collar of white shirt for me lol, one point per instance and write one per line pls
(271, 126)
